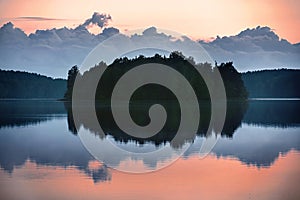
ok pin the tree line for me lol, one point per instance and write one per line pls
(17, 84)
(233, 82)
(279, 83)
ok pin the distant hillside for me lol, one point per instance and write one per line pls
(16, 84)
(281, 83)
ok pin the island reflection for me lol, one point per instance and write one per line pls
(41, 135)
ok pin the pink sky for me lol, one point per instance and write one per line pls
(196, 18)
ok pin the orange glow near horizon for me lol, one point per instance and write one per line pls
(209, 178)
(198, 19)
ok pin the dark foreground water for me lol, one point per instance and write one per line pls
(256, 157)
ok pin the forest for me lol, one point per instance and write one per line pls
(17, 84)
(279, 83)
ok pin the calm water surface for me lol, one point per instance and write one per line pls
(256, 157)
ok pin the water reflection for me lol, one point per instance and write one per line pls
(39, 131)
(46, 144)
(114, 147)
(254, 145)
(273, 113)
(139, 114)
(190, 178)
(16, 113)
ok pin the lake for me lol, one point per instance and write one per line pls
(42, 156)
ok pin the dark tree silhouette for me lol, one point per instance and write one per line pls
(279, 83)
(147, 95)
(233, 82)
(70, 82)
(16, 84)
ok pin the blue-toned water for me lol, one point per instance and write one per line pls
(40, 152)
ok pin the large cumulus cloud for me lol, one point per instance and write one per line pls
(53, 52)
(255, 49)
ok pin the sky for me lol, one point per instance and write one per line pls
(197, 19)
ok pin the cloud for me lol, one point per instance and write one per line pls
(98, 19)
(29, 18)
(53, 52)
(107, 32)
(49, 52)
(254, 49)
(33, 18)
(11, 36)
(150, 31)
(149, 42)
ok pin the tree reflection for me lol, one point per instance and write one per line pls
(139, 112)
